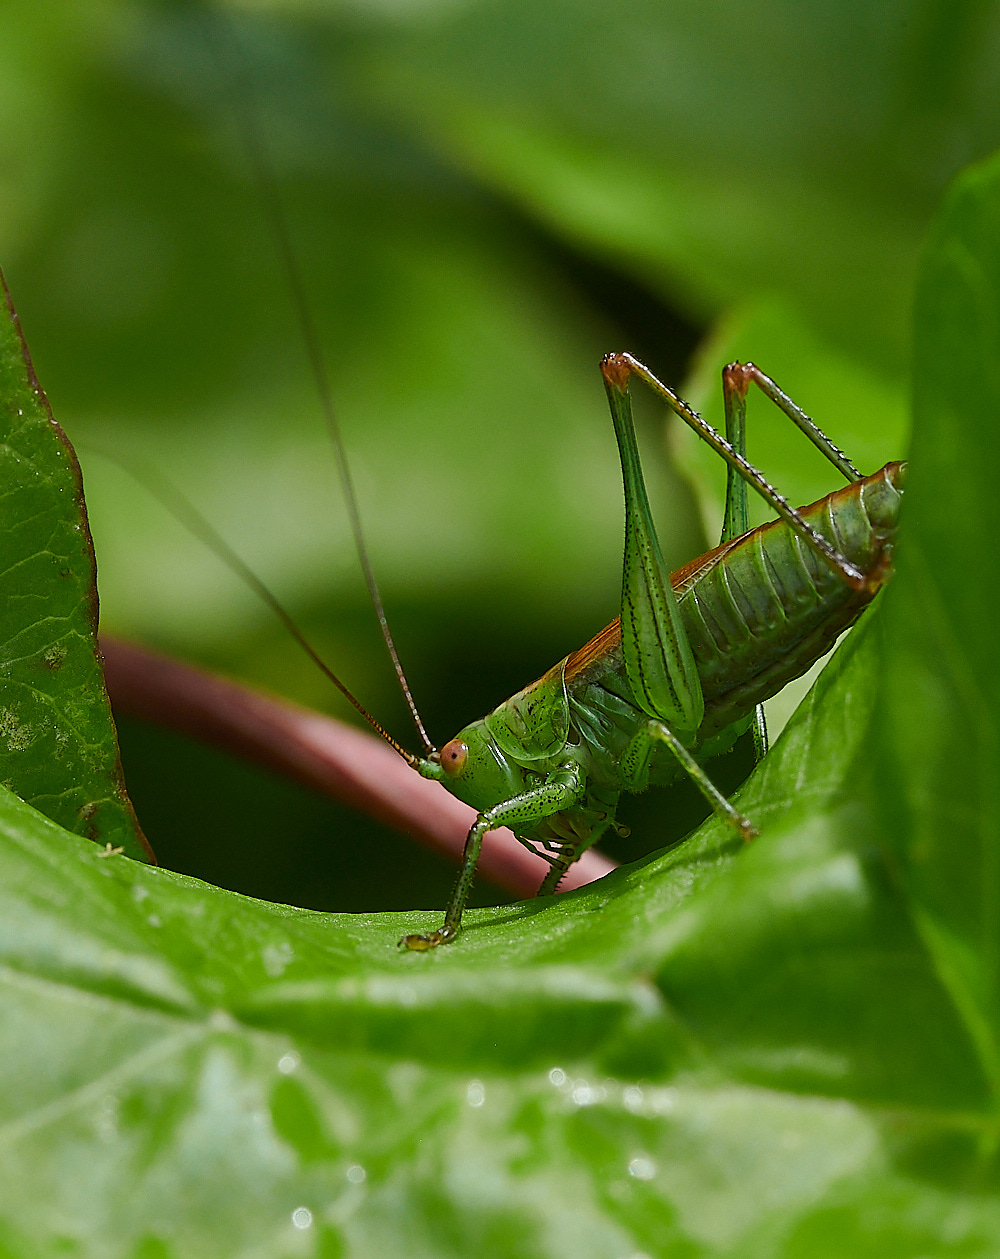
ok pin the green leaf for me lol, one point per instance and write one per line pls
(191, 1070)
(939, 738)
(57, 740)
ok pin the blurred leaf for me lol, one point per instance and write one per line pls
(721, 153)
(464, 364)
(57, 739)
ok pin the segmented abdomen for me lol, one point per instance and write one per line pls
(760, 610)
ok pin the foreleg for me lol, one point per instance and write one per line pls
(560, 790)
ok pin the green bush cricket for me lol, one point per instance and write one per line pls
(685, 669)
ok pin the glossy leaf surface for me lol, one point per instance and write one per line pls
(57, 741)
(717, 1049)
(938, 731)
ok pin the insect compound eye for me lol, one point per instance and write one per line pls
(453, 756)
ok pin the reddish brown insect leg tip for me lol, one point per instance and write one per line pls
(737, 376)
(616, 370)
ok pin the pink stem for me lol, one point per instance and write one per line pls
(348, 764)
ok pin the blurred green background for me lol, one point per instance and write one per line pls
(484, 196)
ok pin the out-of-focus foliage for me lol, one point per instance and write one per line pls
(718, 150)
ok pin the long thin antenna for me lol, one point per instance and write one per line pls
(182, 509)
(267, 188)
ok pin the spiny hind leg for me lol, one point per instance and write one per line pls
(736, 381)
(736, 520)
(617, 369)
(635, 770)
(758, 728)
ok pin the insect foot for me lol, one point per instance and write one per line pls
(747, 829)
(421, 943)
